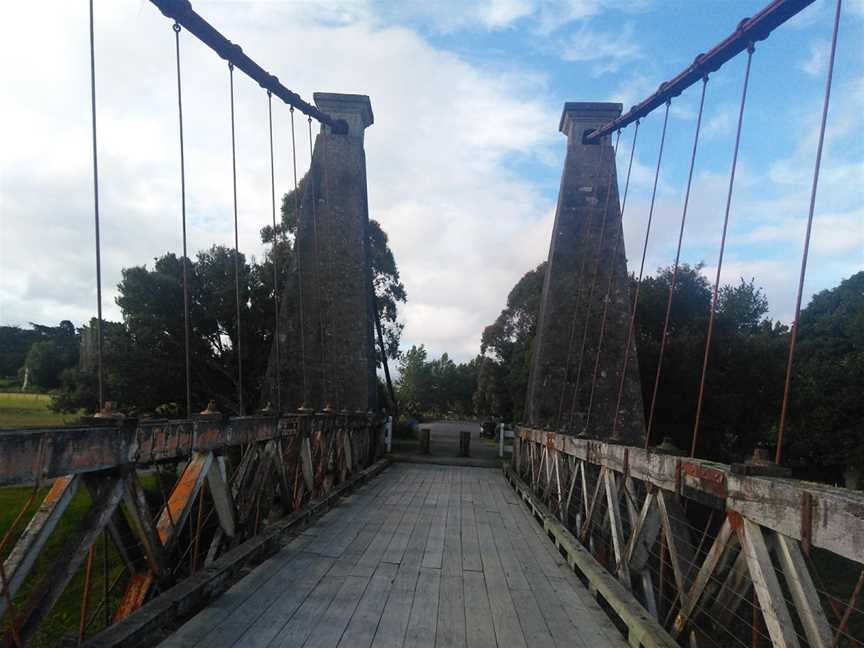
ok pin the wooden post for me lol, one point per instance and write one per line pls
(464, 443)
(424, 440)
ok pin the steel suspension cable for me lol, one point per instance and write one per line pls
(712, 312)
(675, 266)
(606, 297)
(274, 251)
(184, 259)
(793, 334)
(322, 324)
(99, 371)
(626, 361)
(236, 247)
(580, 281)
(299, 264)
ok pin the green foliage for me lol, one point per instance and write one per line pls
(825, 426)
(144, 357)
(506, 350)
(435, 387)
(746, 370)
(45, 350)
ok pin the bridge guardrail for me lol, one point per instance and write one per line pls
(146, 481)
(693, 539)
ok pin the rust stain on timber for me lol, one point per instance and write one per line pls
(710, 479)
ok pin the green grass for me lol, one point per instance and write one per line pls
(30, 410)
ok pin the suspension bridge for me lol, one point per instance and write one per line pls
(293, 526)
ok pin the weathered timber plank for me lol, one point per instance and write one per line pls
(767, 586)
(23, 556)
(773, 503)
(807, 603)
(364, 622)
(641, 627)
(451, 613)
(479, 631)
(423, 621)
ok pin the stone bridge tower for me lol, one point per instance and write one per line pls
(326, 319)
(558, 388)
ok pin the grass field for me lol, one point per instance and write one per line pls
(29, 410)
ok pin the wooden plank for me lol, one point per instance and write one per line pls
(507, 629)
(423, 622)
(531, 620)
(572, 615)
(328, 631)
(765, 582)
(479, 631)
(361, 629)
(678, 541)
(613, 503)
(718, 549)
(66, 564)
(397, 611)
(221, 494)
(470, 543)
(23, 556)
(434, 554)
(191, 632)
(452, 562)
(804, 593)
(451, 614)
(302, 624)
(277, 603)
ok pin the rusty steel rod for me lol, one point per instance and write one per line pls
(99, 372)
(298, 258)
(275, 253)
(713, 311)
(187, 357)
(674, 280)
(793, 335)
(609, 284)
(749, 30)
(182, 12)
(629, 343)
(239, 339)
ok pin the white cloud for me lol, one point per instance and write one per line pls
(463, 226)
(605, 51)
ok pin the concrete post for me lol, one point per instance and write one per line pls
(565, 304)
(332, 334)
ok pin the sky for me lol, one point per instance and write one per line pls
(464, 158)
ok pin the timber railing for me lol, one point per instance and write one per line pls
(140, 485)
(692, 540)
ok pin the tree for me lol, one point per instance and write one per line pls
(506, 348)
(825, 425)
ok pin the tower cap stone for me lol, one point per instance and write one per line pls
(354, 109)
(588, 114)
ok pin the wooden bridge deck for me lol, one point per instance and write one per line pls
(420, 556)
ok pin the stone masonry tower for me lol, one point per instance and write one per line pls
(559, 388)
(326, 318)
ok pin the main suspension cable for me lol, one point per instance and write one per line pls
(712, 312)
(99, 372)
(236, 247)
(627, 346)
(607, 297)
(793, 334)
(675, 266)
(274, 252)
(299, 261)
(184, 259)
